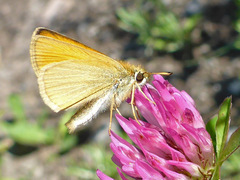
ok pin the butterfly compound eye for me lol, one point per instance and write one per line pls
(139, 77)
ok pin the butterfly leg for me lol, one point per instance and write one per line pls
(138, 115)
(118, 111)
(112, 107)
(111, 113)
(132, 104)
(139, 88)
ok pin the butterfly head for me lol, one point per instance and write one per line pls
(141, 77)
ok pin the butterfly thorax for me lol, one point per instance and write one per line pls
(128, 80)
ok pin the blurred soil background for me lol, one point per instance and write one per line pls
(196, 40)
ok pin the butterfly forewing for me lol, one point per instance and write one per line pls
(77, 83)
(55, 35)
(70, 73)
(48, 47)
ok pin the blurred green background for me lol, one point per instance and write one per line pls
(198, 41)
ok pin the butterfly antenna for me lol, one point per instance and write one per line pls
(163, 73)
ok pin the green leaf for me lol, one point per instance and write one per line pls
(216, 173)
(29, 134)
(42, 117)
(230, 167)
(62, 129)
(68, 143)
(153, 21)
(232, 145)
(191, 22)
(222, 126)
(16, 107)
(211, 130)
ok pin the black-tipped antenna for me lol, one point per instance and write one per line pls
(163, 73)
